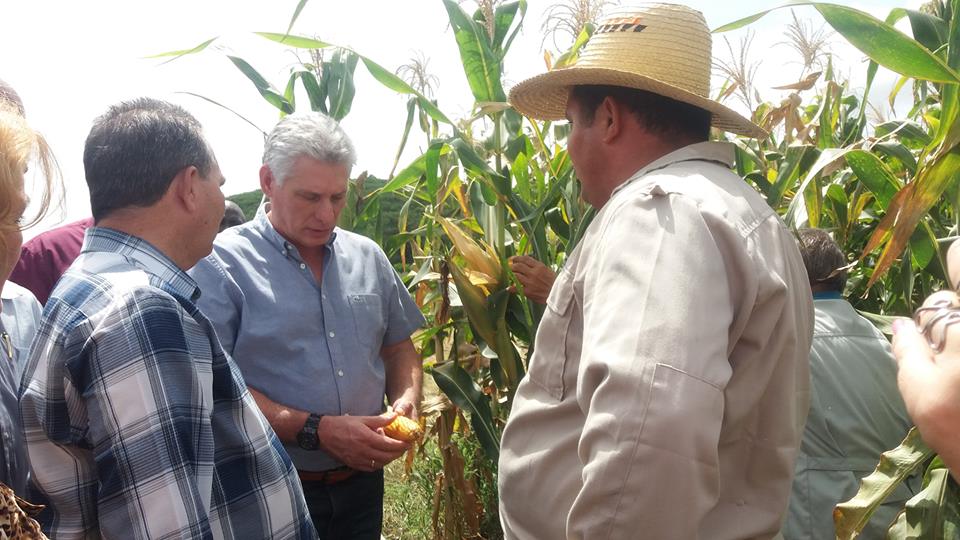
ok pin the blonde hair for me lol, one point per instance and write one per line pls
(20, 146)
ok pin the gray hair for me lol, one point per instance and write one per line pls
(311, 134)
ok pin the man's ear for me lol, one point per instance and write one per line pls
(185, 188)
(610, 116)
(267, 181)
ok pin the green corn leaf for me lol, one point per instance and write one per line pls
(184, 52)
(457, 385)
(900, 152)
(923, 248)
(378, 72)
(314, 92)
(787, 175)
(906, 131)
(884, 323)
(412, 173)
(740, 23)
(481, 66)
(266, 90)
(932, 513)
(297, 42)
(296, 14)
(221, 105)
(874, 174)
(836, 202)
(395, 83)
(288, 92)
(896, 229)
(886, 45)
(497, 304)
(343, 91)
(411, 111)
(493, 182)
(930, 31)
(503, 20)
(895, 466)
(432, 164)
(532, 224)
(881, 42)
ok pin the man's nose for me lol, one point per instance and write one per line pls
(324, 212)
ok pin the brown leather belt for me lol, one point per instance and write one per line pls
(331, 476)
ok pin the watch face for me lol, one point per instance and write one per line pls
(307, 441)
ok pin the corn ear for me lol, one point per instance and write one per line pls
(480, 258)
(403, 429)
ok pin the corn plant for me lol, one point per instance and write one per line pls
(879, 190)
(496, 184)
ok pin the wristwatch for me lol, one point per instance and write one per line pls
(307, 437)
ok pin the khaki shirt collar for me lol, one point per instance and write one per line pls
(721, 153)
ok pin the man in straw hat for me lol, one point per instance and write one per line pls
(669, 386)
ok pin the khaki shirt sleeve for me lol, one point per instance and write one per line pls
(654, 365)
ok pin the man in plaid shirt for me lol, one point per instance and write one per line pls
(137, 423)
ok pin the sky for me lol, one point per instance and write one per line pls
(71, 60)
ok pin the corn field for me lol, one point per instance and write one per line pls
(496, 184)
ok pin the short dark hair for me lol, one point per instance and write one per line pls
(135, 150)
(232, 215)
(658, 114)
(823, 259)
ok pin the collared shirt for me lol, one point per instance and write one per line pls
(669, 383)
(18, 325)
(311, 346)
(44, 258)
(856, 413)
(137, 424)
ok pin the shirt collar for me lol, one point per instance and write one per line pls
(11, 290)
(721, 153)
(827, 295)
(144, 255)
(261, 223)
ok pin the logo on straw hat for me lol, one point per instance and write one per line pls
(620, 25)
(659, 48)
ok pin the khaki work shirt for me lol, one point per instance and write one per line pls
(669, 384)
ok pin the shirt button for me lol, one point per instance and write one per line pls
(340, 373)
(332, 334)
(302, 266)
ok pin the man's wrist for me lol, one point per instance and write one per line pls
(309, 436)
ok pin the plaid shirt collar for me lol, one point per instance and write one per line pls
(144, 255)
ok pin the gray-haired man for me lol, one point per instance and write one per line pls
(320, 325)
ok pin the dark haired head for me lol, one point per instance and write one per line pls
(658, 114)
(135, 150)
(823, 259)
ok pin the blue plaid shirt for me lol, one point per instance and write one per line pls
(137, 423)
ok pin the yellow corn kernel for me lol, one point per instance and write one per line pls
(403, 429)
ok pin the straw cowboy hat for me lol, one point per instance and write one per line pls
(660, 48)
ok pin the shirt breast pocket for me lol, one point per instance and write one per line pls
(550, 356)
(368, 319)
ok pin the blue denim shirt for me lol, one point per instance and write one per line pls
(19, 319)
(311, 346)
